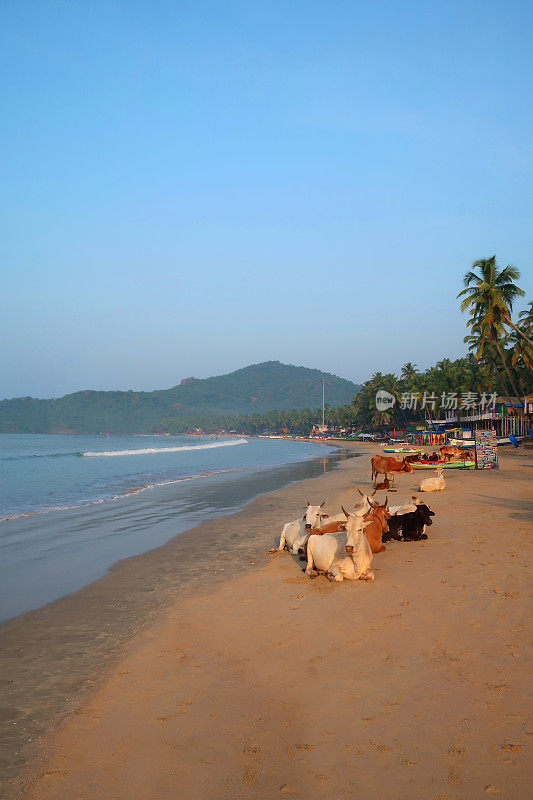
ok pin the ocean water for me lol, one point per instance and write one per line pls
(71, 506)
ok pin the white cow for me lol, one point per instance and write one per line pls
(435, 483)
(341, 555)
(295, 534)
(407, 508)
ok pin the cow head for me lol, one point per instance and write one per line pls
(406, 467)
(354, 531)
(425, 513)
(313, 516)
(382, 514)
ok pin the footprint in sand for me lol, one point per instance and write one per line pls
(511, 746)
(455, 778)
(249, 777)
(381, 748)
(457, 751)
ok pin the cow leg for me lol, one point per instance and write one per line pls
(334, 575)
(368, 576)
(302, 553)
(310, 571)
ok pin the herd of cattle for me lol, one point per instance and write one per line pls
(343, 546)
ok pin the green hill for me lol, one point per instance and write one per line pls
(254, 389)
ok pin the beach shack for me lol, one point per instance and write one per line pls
(510, 415)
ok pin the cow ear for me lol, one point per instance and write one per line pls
(325, 516)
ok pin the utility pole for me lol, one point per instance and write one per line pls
(323, 394)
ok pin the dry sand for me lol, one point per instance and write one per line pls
(266, 684)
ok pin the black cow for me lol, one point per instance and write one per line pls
(410, 527)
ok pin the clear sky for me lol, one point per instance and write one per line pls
(190, 187)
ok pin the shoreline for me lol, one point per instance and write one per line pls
(48, 556)
(110, 611)
(202, 604)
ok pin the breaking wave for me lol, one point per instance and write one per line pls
(148, 450)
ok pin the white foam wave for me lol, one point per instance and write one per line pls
(150, 450)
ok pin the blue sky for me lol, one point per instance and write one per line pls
(190, 187)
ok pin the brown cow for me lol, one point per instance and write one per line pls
(412, 459)
(449, 452)
(377, 517)
(383, 485)
(381, 465)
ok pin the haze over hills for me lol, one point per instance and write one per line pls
(258, 388)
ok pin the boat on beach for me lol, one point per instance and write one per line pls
(443, 465)
(401, 450)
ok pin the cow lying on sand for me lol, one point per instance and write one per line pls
(295, 534)
(337, 522)
(377, 519)
(341, 556)
(410, 527)
(406, 508)
(435, 483)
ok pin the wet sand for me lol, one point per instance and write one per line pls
(251, 681)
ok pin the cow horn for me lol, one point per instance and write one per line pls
(308, 503)
(345, 512)
(360, 492)
(373, 493)
(322, 504)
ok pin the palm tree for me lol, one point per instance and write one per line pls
(526, 322)
(409, 372)
(490, 295)
(524, 327)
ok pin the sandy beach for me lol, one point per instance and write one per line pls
(208, 669)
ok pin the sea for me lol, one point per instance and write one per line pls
(71, 506)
